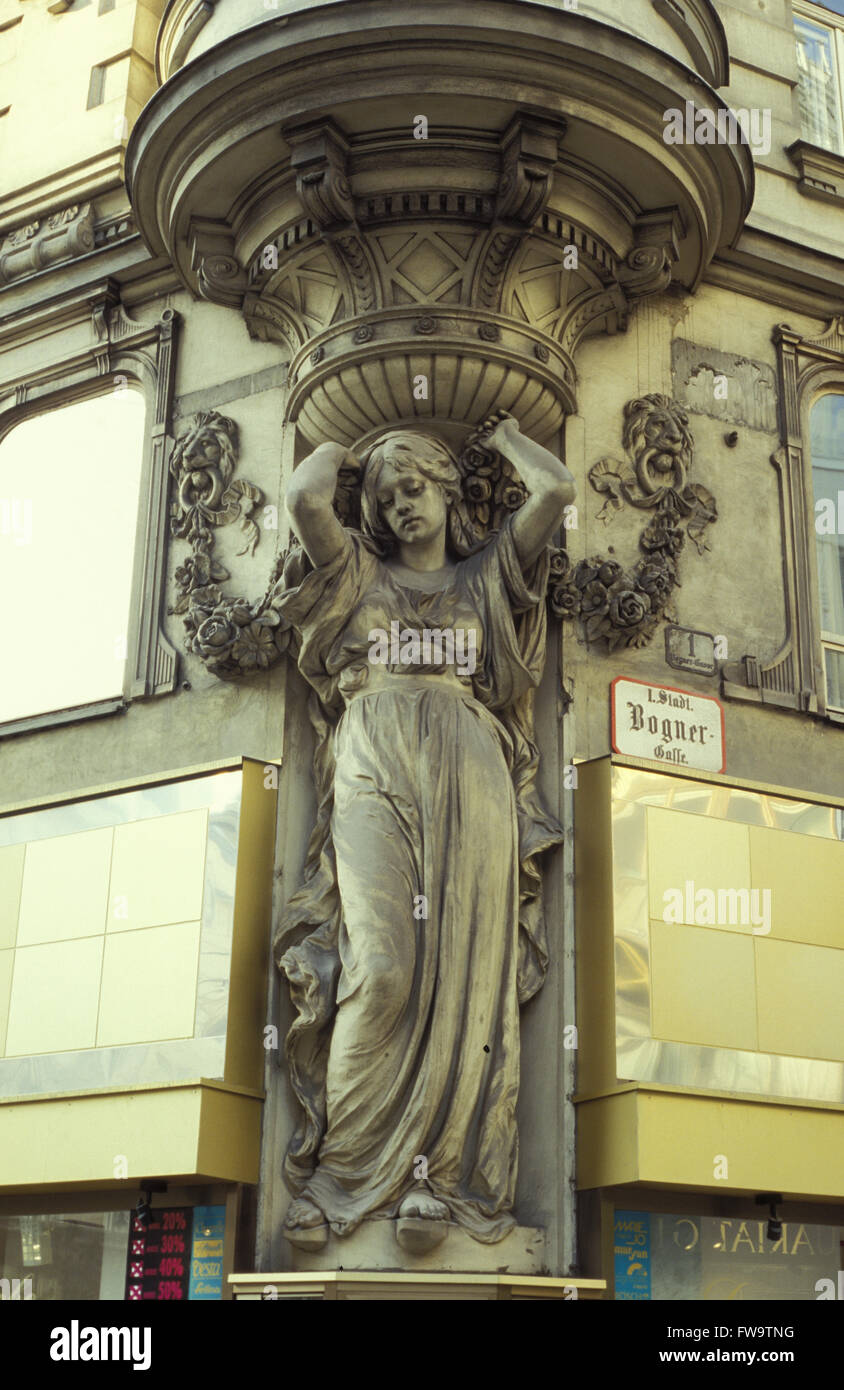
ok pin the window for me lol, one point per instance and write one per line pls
(69, 489)
(806, 672)
(827, 453)
(820, 65)
(79, 1255)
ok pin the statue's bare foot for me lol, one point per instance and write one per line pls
(422, 1204)
(303, 1214)
(305, 1225)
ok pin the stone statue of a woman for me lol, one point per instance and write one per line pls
(418, 931)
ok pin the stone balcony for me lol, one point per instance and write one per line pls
(460, 194)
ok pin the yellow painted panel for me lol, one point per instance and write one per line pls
(7, 960)
(149, 985)
(656, 1139)
(607, 1142)
(800, 999)
(157, 871)
(702, 986)
(593, 861)
(55, 1142)
(11, 879)
(776, 1148)
(65, 887)
(711, 854)
(245, 1055)
(806, 877)
(233, 1148)
(55, 990)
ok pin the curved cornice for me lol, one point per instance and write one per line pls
(212, 127)
(696, 35)
(699, 26)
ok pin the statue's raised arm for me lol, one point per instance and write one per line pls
(310, 497)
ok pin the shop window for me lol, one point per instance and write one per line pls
(691, 1257)
(827, 458)
(163, 1253)
(69, 490)
(79, 1256)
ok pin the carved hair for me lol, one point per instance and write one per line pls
(417, 452)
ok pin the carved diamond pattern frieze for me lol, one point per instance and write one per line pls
(431, 266)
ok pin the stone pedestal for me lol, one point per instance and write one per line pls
(374, 1246)
(340, 1285)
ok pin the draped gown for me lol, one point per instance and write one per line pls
(418, 930)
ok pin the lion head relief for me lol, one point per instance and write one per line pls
(658, 442)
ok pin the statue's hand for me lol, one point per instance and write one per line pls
(496, 430)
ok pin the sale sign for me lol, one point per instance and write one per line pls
(158, 1260)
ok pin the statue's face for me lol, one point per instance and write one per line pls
(413, 506)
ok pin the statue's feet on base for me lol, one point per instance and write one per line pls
(422, 1222)
(422, 1204)
(305, 1225)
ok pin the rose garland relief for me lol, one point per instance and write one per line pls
(613, 607)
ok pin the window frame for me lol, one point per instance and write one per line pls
(145, 355)
(834, 24)
(795, 676)
(826, 383)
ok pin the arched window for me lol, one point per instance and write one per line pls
(826, 421)
(69, 491)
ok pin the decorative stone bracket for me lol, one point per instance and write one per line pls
(221, 278)
(647, 267)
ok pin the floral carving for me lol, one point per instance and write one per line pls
(625, 607)
(617, 606)
(219, 629)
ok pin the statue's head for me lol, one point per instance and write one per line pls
(408, 473)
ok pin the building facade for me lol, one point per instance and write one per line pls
(233, 230)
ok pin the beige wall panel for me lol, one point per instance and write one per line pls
(800, 993)
(764, 37)
(216, 348)
(712, 854)
(55, 990)
(11, 879)
(51, 1144)
(652, 1137)
(7, 961)
(702, 986)
(149, 985)
(779, 206)
(157, 871)
(65, 887)
(769, 1148)
(806, 877)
